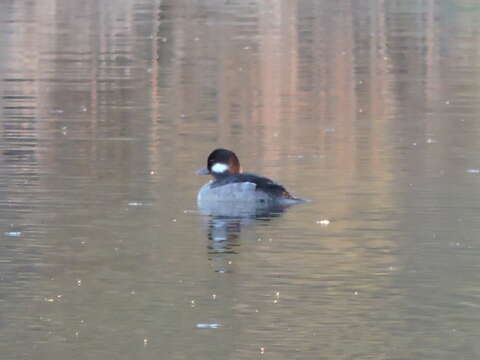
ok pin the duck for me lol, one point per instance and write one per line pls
(230, 185)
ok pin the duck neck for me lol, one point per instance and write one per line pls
(220, 176)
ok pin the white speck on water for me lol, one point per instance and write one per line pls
(76, 333)
(132, 292)
(256, 310)
(431, 141)
(275, 301)
(59, 296)
(360, 110)
(230, 262)
(447, 102)
(473, 171)
(135, 203)
(49, 299)
(174, 220)
(208, 325)
(360, 82)
(214, 296)
(153, 172)
(246, 48)
(355, 293)
(145, 342)
(323, 222)
(79, 282)
(414, 144)
(84, 108)
(455, 244)
(192, 303)
(277, 294)
(262, 350)
(385, 58)
(13, 233)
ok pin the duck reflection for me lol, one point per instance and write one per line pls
(225, 223)
(223, 232)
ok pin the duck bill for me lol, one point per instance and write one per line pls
(203, 172)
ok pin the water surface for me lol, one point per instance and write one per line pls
(368, 108)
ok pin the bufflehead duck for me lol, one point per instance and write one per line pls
(231, 185)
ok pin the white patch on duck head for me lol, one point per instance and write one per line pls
(219, 168)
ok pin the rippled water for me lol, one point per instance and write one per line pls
(370, 109)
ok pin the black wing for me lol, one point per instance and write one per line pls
(263, 184)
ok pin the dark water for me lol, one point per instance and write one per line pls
(370, 109)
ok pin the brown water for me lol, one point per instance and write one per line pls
(371, 109)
